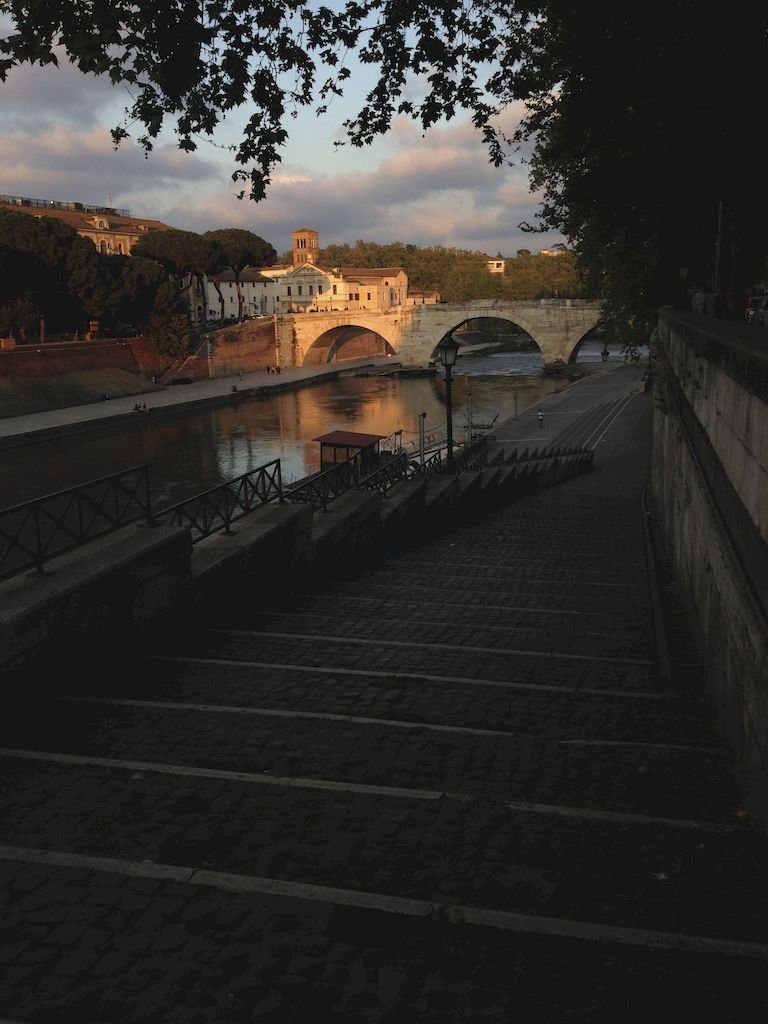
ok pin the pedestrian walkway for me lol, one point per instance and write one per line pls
(450, 784)
(18, 429)
(218, 389)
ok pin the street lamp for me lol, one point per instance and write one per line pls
(448, 349)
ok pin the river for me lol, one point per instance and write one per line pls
(207, 446)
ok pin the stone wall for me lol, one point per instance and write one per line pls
(710, 486)
(50, 359)
(248, 346)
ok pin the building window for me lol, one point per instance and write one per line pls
(288, 290)
(301, 290)
(311, 290)
(319, 289)
(334, 289)
(368, 296)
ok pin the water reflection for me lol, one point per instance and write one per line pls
(206, 447)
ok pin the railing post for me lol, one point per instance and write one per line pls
(39, 560)
(151, 521)
(227, 512)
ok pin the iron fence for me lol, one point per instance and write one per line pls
(431, 466)
(319, 489)
(35, 532)
(217, 508)
(389, 473)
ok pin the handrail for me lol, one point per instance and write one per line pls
(318, 490)
(475, 457)
(36, 531)
(430, 467)
(218, 507)
(389, 473)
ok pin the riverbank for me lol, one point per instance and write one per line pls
(167, 400)
(164, 400)
(26, 396)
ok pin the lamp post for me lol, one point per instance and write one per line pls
(448, 349)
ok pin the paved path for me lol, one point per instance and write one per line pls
(450, 785)
(76, 417)
(15, 429)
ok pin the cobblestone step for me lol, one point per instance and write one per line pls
(418, 596)
(448, 786)
(621, 870)
(440, 654)
(555, 712)
(543, 633)
(135, 949)
(617, 776)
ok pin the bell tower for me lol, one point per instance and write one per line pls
(305, 244)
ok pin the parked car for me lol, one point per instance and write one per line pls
(757, 310)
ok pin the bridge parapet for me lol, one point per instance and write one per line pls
(556, 325)
(413, 332)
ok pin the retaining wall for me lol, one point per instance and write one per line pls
(710, 486)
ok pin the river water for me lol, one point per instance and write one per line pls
(204, 447)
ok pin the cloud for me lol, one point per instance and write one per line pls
(34, 96)
(438, 189)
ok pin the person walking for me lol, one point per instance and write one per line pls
(541, 419)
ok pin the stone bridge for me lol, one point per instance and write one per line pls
(412, 333)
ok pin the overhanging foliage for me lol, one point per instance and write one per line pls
(644, 119)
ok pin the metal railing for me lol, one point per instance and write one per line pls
(321, 488)
(35, 532)
(472, 458)
(389, 473)
(217, 508)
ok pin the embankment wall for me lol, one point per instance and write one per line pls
(710, 485)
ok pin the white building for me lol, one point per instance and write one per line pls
(301, 286)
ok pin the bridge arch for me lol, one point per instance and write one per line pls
(345, 342)
(483, 335)
(557, 326)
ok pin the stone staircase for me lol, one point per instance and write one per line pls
(448, 783)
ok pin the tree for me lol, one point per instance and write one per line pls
(40, 257)
(458, 274)
(195, 61)
(240, 249)
(168, 325)
(139, 282)
(185, 255)
(642, 118)
(123, 291)
(647, 154)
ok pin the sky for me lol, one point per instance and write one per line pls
(433, 190)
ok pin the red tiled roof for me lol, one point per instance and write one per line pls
(82, 220)
(362, 272)
(349, 439)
